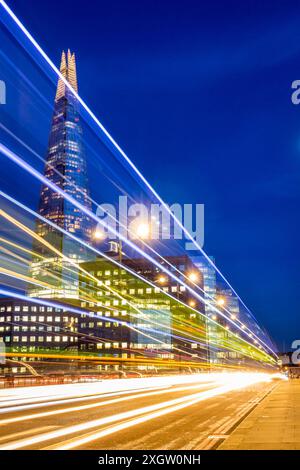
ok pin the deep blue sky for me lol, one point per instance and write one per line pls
(198, 94)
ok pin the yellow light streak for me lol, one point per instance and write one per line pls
(233, 382)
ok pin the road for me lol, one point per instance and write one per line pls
(175, 412)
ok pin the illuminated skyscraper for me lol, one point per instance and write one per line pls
(66, 167)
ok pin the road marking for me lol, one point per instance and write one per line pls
(243, 411)
(25, 433)
(234, 382)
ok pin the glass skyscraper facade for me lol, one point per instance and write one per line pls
(66, 168)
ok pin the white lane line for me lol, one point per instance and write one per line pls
(193, 399)
(28, 431)
(242, 411)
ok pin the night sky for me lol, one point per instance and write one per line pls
(199, 96)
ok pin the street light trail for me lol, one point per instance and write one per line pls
(143, 241)
(90, 406)
(229, 383)
(114, 261)
(110, 141)
(43, 393)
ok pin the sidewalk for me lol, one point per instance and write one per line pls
(273, 424)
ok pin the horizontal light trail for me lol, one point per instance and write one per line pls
(144, 242)
(91, 405)
(28, 395)
(70, 308)
(22, 277)
(20, 162)
(105, 386)
(114, 143)
(98, 252)
(69, 260)
(13, 405)
(145, 280)
(244, 332)
(166, 409)
(230, 383)
(130, 326)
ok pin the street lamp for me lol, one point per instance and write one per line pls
(162, 279)
(193, 276)
(98, 235)
(143, 230)
(221, 301)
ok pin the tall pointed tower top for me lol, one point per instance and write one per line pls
(68, 71)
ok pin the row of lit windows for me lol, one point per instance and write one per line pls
(111, 345)
(108, 272)
(122, 313)
(139, 291)
(32, 328)
(99, 324)
(27, 308)
(147, 290)
(41, 318)
(40, 339)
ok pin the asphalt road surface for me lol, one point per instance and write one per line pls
(180, 412)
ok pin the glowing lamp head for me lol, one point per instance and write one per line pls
(193, 277)
(192, 303)
(99, 235)
(162, 279)
(221, 301)
(143, 230)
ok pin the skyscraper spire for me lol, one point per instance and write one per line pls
(68, 71)
(63, 70)
(72, 78)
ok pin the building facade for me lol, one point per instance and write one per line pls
(66, 168)
(135, 317)
(32, 327)
(26, 326)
